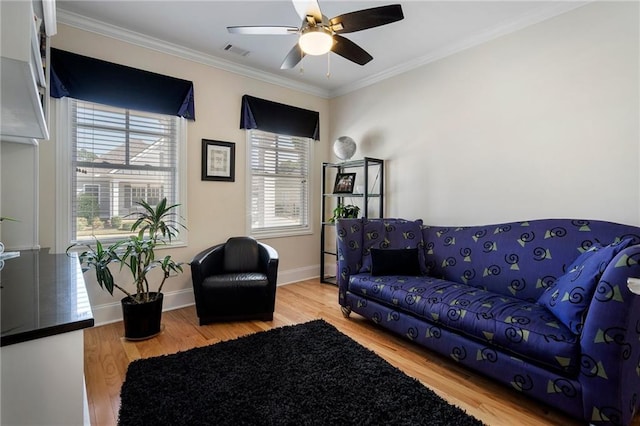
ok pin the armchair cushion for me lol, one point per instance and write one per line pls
(232, 294)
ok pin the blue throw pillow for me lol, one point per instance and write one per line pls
(569, 297)
(584, 256)
(395, 262)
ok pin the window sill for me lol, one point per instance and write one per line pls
(280, 233)
(78, 247)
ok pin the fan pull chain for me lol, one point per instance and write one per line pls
(302, 65)
(328, 66)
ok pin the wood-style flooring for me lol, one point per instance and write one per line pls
(107, 356)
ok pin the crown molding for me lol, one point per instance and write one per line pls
(91, 25)
(555, 9)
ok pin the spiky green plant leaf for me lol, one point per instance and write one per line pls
(152, 226)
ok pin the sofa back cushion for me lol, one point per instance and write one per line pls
(391, 234)
(517, 259)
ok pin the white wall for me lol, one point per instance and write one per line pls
(216, 210)
(540, 123)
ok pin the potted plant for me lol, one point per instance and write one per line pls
(141, 307)
(345, 211)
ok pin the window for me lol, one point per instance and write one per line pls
(115, 158)
(278, 184)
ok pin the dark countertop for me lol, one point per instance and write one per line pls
(42, 295)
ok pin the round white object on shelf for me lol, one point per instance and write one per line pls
(344, 147)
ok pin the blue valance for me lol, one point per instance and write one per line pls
(279, 118)
(94, 80)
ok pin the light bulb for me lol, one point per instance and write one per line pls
(316, 41)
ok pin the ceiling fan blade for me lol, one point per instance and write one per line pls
(263, 30)
(294, 56)
(366, 18)
(308, 7)
(349, 50)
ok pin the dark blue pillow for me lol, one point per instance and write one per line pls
(569, 297)
(395, 262)
(585, 255)
(391, 234)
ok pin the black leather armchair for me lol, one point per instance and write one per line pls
(235, 281)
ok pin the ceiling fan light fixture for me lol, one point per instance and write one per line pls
(316, 40)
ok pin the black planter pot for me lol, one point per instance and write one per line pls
(142, 320)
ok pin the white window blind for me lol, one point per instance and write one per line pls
(278, 183)
(119, 157)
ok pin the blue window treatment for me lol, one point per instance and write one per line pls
(279, 118)
(94, 80)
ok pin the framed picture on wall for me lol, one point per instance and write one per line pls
(218, 160)
(344, 183)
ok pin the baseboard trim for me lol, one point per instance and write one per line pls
(108, 313)
(112, 312)
(299, 274)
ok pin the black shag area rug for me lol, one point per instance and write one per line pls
(306, 374)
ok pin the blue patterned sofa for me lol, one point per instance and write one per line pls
(541, 306)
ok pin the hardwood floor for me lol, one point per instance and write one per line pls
(107, 356)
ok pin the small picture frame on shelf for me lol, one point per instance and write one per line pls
(218, 160)
(344, 183)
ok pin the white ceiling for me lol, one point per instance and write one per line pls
(197, 30)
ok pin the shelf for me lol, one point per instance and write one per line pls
(354, 163)
(22, 113)
(369, 177)
(350, 195)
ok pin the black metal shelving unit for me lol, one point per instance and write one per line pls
(368, 195)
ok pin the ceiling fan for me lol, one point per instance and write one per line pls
(319, 35)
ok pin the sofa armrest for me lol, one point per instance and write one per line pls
(610, 344)
(349, 242)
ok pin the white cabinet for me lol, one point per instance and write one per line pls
(43, 311)
(43, 381)
(23, 95)
(23, 81)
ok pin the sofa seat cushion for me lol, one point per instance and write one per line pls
(525, 329)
